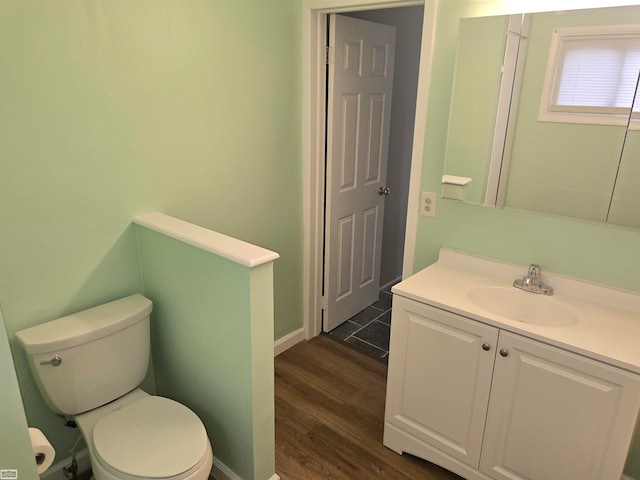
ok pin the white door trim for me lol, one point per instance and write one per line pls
(313, 131)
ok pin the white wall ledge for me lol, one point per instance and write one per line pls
(230, 248)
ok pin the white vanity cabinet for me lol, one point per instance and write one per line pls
(490, 404)
(439, 378)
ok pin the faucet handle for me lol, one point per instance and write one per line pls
(534, 270)
(532, 281)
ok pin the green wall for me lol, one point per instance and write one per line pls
(212, 326)
(590, 251)
(474, 101)
(111, 108)
(626, 196)
(15, 445)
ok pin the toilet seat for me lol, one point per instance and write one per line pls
(154, 437)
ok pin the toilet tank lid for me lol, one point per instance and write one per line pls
(84, 326)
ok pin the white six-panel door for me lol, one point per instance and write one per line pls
(360, 82)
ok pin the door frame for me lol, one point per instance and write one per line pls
(314, 21)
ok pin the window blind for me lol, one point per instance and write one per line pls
(597, 74)
(592, 74)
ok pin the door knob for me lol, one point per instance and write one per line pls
(384, 191)
(504, 352)
(486, 347)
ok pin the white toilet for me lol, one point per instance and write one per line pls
(89, 365)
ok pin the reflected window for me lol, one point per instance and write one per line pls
(591, 76)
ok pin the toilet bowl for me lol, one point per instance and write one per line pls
(89, 366)
(139, 436)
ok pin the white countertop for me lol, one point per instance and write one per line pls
(608, 325)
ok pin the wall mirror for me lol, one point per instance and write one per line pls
(541, 114)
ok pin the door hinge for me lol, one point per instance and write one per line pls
(328, 55)
(325, 303)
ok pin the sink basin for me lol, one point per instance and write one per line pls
(522, 306)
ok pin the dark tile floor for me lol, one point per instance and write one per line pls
(369, 330)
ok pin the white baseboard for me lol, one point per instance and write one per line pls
(627, 477)
(221, 472)
(55, 471)
(288, 341)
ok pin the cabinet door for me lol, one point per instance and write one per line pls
(554, 415)
(439, 377)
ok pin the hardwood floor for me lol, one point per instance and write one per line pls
(330, 415)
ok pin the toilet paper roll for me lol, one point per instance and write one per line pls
(42, 450)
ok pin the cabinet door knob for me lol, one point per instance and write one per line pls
(486, 347)
(504, 352)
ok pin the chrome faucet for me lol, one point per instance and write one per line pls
(532, 281)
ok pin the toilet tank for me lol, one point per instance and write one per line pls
(103, 353)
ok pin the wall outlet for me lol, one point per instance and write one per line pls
(428, 204)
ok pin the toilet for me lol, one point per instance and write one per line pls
(89, 366)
